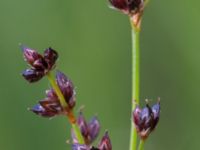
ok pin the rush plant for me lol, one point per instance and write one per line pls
(60, 99)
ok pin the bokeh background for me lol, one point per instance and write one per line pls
(94, 45)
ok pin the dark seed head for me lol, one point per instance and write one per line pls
(40, 65)
(146, 119)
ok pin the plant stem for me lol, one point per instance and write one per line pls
(57, 90)
(70, 114)
(135, 81)
(141, 145)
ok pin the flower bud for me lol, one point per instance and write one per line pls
(32, 75)
(94, 128)
(30, 55)
(145, 120)
(83, 126)
(105, 143)
(50, 56)
(67, 88)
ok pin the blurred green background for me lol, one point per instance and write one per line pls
(94, 45)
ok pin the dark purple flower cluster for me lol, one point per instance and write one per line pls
(89, 130)
(105, 144)
(146, 119)
(50, 106)
(40, 64)
(128, 6)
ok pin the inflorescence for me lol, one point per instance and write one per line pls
(50, 106)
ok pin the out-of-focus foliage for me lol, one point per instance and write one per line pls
(94, 46)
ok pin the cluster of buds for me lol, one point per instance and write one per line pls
(40, 64)
(50, 106)
(146, 119)
(105, 144)
(89, 130)
(133, 8)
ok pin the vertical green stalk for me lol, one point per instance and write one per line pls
(70, 115)
(141, 145)
(135, 81)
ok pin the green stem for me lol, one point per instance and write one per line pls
(141, 145)
(57, 90)
(135, 81)
(70, 114)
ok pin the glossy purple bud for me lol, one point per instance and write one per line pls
(50, 56)
(94, 128)
(105, 143)
(39, 110)
(80, 147)
(30, 55)
(66, 88)
(32, 75)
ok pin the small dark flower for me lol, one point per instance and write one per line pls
(40, 65)
(129, 7)
(146, 119)
(89, 130)
(67, 88)
(105, 144)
